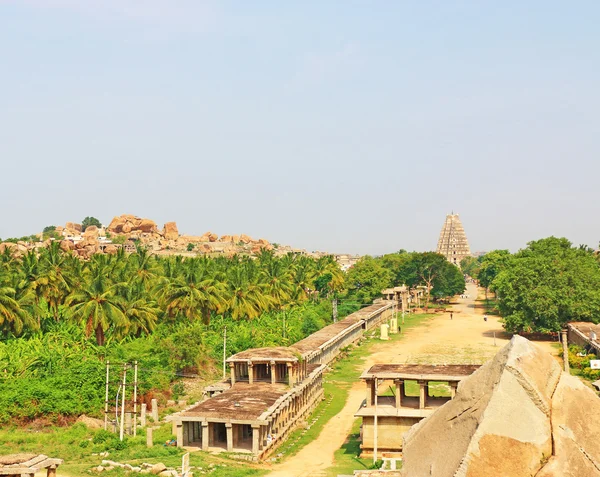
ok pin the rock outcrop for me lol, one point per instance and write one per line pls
(170, 231)
(125, 224)
(504, 420)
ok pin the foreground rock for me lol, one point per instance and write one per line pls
(499, 423)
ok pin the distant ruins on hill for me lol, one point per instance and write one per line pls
(128, 231)
(453, 243)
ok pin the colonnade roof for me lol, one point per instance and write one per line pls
(432, 372)
(262, 355)
(242, 401)
(317, 339)
(585, 327)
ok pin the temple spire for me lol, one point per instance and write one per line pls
(453, 243)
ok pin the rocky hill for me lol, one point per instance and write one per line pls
(128, 230)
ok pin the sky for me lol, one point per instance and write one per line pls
(341, 126)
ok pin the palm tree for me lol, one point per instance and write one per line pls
(247, 299)
(195, 294)
(97, 307)
(12, 317)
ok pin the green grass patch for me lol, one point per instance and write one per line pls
(346, 458)
(76, 444)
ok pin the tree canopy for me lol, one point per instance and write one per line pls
(85, 223)
(546, 285)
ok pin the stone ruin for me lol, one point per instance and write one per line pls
(518, 415)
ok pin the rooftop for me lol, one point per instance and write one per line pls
(317, 339)
(445, 372)
(252, 400)
(279, 353)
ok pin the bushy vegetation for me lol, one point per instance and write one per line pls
(61, 318)
(543, 286)
(579, 361)
(430, 270)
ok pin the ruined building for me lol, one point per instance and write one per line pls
(453, 243)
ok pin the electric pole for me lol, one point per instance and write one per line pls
(106, 398)
(135, 383)
(122, 427)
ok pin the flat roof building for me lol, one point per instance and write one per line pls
(399, 396)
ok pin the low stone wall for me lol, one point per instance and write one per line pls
(576, 336)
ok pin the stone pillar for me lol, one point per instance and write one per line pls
(384, 332)
(232, 368)
(128, 423)
(179, 434)
(250, 373)
(229, 429)
(290, 370)
(255, 439)
(143, 415)
(155, 410)
(422, 394)
(370, 392)
(149, 442)
(205, 438)
(51, 471)
(453, 387)
(394, 326)
(273, 368)
(565, 346)
(399, 391)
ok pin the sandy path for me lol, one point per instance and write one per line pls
(467, 338)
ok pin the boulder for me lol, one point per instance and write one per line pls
(245, 238)
(91, 422)
(111, 249)
(158, 468)
(147, 226)
(575, 429)
(170, 231)
(498, 423)
(116, 225)
(67, 245)
(226, 238)
(71, 226)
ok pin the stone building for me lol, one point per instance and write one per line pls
(271, 390)
(399, 396)
(453, 243)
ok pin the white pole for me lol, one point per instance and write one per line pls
(135, 383)
(375, 424)
(224, 350)
(106, 398)
(122, 427)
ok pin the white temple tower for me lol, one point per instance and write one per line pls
(453, 243)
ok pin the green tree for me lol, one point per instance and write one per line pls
(470, 266)
(85, 223)
(546, 285)
(492, 263)
(367, 278)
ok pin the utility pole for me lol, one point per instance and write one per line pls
(122, 427)
(375, 424)
(224, 350)
(334, 310)
(135, 383)
(106, 398)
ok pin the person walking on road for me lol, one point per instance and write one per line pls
(484, 317)
(451, 315)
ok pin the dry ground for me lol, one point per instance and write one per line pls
(467, 338)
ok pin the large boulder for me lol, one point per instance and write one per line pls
(67, 245)
(497, 425)
(170, 231)
(245, 238)
(147, 226)
(575, 429)
(73, 227)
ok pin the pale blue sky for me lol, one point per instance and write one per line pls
(346, 126)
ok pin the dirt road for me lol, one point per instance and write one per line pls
(466, 338)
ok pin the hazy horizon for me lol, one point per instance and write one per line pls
(351, 129)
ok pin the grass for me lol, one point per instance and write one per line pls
(76, 444)
(346, 458)
(346, 371)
